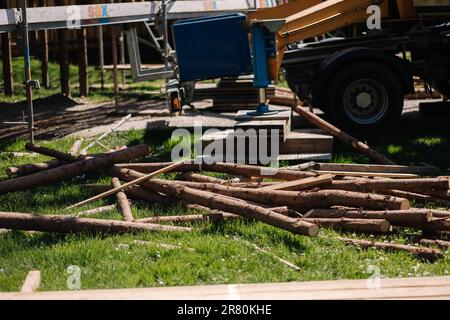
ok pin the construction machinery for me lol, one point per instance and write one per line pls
(357, 73)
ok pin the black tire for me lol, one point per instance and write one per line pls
(364, 95)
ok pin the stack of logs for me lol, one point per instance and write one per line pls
(300, 200)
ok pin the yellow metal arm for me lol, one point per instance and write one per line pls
(310, 18)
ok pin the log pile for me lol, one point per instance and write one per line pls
(366, 199)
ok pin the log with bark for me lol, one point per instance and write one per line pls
(307, 200)
(422, 252)
(435, 242)
(417, 197)
(30, 168)
(218, 202)
(354, 225)
(420, 170)
(122, 200)
(73, 169)
(62, 156)
(214, 215)
(67, 224)
(229, 168)
(344, 137)
(405, 218)
(370, 185)
(302, 184)
(135, 192)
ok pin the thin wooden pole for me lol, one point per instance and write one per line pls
(63, 51)
(102, 57)
(128, 184)
(44, 54)
(115, 71)
(83, 62)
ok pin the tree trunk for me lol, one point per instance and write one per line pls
(215, 215)
(405, 218)
(214, 201)
(344, 137)
(438, 243)
(66, 224)
(122, 199)
(307, 200)
(369, 185)
(30, 168)
(195, 177)
(72, 169)
(354, 225)
(62, 156)
(230, 168)
(425, 253)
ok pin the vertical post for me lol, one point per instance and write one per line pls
(63, 57)
(114, 57)
(44, 54)
(122, 57)
(83, 62)
(28, 85)
(102, 57)
(7, 58)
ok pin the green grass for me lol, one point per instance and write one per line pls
(142, 90)
(214, 254)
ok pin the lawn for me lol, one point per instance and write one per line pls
(216, 253)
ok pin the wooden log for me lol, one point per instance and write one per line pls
(438, 243)
(96, 210)
(422, 252)
(218, 202)
(67, 224)
(417, 197)
(83, 62)
(215, 215)
(404, 218)
(302, 166)
(135, 192)
(190, 176)
(122, 199)
(368, 174)
(128, 184)
(75, 149)
(307, 200)
(62, 156)
(30, 168)
(437, 225)
(302, 184)
(344, 137)
(356, 225)
(352, 167)
(370, 185)
(229, 168)
(44, 54)
(72, 169)
(32, 282)
(63, 53)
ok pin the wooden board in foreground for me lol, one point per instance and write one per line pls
(405, 288)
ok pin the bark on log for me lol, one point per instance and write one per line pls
(422, 252)
(214, 201)
(75, 149)
(370, 185)
(422, 170)
(66, 224)
(230, 168)
(438, 243)
(356, 225)
(215, 215)
(404, 218)
(344, 137)
(122, 199)
(419, 198)
(190, 176)
(307, 200)
(72, 169)
(437, 225)
(96, 210)
(302, 184)
(30, 168)
(66, 157)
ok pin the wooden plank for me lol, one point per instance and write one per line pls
(301, 184)
(32, 282)
(404, 288)
(376, 168)
(307, 141)
(368, 174)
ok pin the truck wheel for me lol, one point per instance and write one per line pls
(364, 96)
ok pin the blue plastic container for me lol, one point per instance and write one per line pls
(212, 47)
